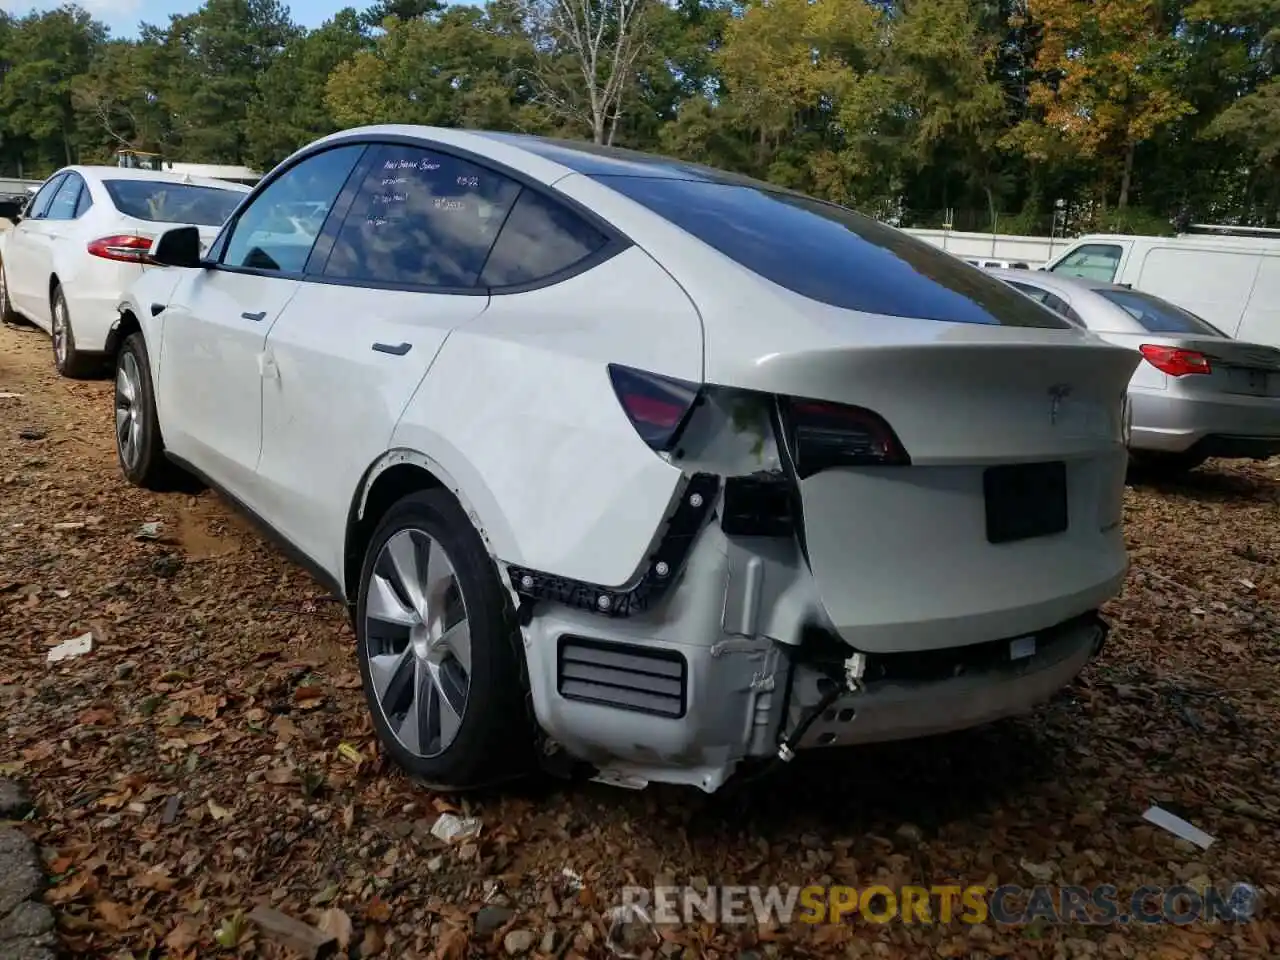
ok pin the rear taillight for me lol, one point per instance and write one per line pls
(1173, 361)
(657, 406)
(826, 435)
(128, 248)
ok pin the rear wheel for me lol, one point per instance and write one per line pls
(439, 650)
(7, 314)
(70, 362)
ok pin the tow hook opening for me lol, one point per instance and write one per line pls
(849, 682)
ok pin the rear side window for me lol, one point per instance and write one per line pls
(1159, 316)
(1052, 301)
(162, 202)
(540, 238)
(832, 254)
(421, 218)
(1093, 261)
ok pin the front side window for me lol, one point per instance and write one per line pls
(1093, 261)
(278, 229)
(1159, 316)
(44, 196)
(832, 254)
(63, 205)
(422, 218)
(540, 238)
(162, 202)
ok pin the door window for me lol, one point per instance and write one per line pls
(540, 238)
(63, 205)
(44, 196)
(1093, 261)
(421, 218)
(278, 229)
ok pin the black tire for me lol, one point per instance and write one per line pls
(7, 313)
(494, 737)
(69, 361)
(141, 454)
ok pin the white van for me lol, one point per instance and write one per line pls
(1232, 282)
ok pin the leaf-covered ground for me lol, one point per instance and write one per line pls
(211, 752)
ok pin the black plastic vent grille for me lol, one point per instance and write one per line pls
(622, 675)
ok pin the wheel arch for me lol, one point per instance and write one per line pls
(396, 474)
(122, 329)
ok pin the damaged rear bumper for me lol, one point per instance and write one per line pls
(685, 694)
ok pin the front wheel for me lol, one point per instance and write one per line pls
(439, 650)
(139, 444)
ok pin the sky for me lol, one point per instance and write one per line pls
(123, 16)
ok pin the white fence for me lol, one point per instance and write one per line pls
(994, 246)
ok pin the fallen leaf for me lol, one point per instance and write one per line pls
(337, 923)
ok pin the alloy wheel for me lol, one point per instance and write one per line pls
(60, 330)
(128, 410)
(418, 642)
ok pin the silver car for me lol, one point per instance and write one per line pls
(1199, 394)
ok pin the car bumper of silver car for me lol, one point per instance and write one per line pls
(1238, 427)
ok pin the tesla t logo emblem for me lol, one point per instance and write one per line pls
(1057, 393)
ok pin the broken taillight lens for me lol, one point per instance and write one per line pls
(657, 406)
(827, 435)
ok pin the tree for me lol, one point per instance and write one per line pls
(1107, 82)
(47, 52)
(451, 70)
(288, 108)
(218, 54)
(587, 55)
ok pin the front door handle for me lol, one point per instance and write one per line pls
(255, 317)
(398, 349)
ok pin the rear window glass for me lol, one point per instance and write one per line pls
(832, 254)
(163, 202)
(1159, 316)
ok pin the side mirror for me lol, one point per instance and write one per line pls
(179, 247)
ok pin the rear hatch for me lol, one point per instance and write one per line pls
(958, 449)
(1003, 515)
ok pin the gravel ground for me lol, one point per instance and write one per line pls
(210, 754)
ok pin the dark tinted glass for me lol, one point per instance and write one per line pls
(162, 202)
(421, 218)
(540, 237)
(1159, 316)
(44, 196)
(63, 206)
(1035, 294)
(833, 254)
(277, 230)
(84, 203)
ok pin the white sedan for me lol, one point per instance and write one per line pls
(84, 238)
(631, 465)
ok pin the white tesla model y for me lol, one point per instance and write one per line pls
(632, 465)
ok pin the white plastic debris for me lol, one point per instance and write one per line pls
(1178, 827)
(10, 396)
(149, 531)
(573, 879)
(70, 649)
(453, 829)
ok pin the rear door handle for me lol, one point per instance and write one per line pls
(398, 349)
(255, 317)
